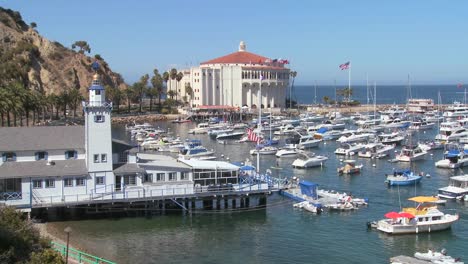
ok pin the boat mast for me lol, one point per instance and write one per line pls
(259, 127)
(315, 98)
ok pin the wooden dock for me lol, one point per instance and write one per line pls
(407, 260)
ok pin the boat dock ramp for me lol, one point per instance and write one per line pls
(308, 191)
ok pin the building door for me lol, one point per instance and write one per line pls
(118, 183)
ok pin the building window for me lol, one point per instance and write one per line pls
(148, 177)
(172, 176)
(80, 181)
(9, 156)
(96, 158)
(183, 176)
(97, 92)
(37, 184)
(71, 154)
(100, 180)
(41, 155)
(68, 182)
(103, 157)
(160, 176)
(49, 183)
(130, 180)
(99, 118)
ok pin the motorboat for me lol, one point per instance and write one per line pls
(437, 257)
(342, 206)
(392, 138)
(201, 128)
(457, 188)
(410, 154)
(305, 160)
(425, 217)
(214, 132)
(392, 122)
(430, 145)
(421, 125)
(349, 149)
(420, 105)
(451, 131)
(264, 150)
(326, 134)
(230, 135)
(287, 151)
(376, 150)
(354, 136)
(308, 141)
(194, 152)
(350, 167)
(308, 206)
(285, 130)
(453, 158)
(456, 110)
(402, 178)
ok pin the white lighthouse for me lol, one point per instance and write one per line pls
(98, 136)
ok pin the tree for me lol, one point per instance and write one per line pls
(165, 77)
(171, 94)
(326, 99)
(82, 45)
(189, 91)
(75, 98)
(33, 25)
(129, 94)
(115, 95)
(21, 241)
(157, 83)
(140, 88)
(173, 76)
(179, 77)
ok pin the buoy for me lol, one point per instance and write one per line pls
(373, 165)
(341, 160)
(396, 151)
(222, 155)
(432, 154)
(428, 175)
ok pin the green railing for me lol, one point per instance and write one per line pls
(79, 256)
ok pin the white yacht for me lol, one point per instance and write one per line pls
(451, 131)
(454, 158)
(421, 125)
(353, 136)
(410, 154)
(455, 110)
(425, 217)
(305, 160)
(349, 149)
(376, 150)
(201, 128)
(457, 188)
(287, 151)
(195, 152)
(392, 138)
(308, 141)
(264, 150)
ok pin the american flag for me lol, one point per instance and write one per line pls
(252, 136)
(344, 66)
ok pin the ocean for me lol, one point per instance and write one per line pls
(386, 94)
(280, 233)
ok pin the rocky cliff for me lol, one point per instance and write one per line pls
(44, 65)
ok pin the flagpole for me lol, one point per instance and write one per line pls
(259, 126)
(349, 83)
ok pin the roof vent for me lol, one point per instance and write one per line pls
(50, 162)
(242, 46)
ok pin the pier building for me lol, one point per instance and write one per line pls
(63, 167)
(234, 80)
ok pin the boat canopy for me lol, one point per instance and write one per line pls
(424, 199)
(453, 153)
(309, 188)
(247, 168)
(322, 130)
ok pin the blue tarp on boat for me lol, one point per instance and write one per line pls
(453, 153)
(322, 130)
(309, 189)
(247, 168)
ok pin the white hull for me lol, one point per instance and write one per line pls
(389, 228)
(405, 158)
(446, 164)
(312, 162)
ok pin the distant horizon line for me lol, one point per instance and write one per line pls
(387, 84)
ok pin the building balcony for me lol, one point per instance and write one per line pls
(96, 104)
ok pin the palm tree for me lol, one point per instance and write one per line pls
(179, 77)
(75, 98)
(129, 93)
(173, 76)
(171, 94)
(189, 91)
(326, 99)
(157, 83)
(151, 92)
(115, 95)
(64, 101)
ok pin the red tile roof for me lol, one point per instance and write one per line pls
(238, 57)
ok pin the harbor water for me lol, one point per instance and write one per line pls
(280, 233)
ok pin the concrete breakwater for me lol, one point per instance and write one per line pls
(142, 118)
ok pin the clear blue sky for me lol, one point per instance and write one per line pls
(386, 39)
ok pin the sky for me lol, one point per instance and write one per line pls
(384, 40)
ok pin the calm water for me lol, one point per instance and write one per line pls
(279, 233)
(386, 94)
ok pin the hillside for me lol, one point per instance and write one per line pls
(44, 65)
